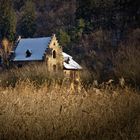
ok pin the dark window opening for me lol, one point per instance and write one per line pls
(19, 65)
(68, 60)
(54, 54)
(54, 67)
(28, 53)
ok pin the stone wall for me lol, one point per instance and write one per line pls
(54, 58)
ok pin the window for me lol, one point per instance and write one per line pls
(54, 68)
(28, 53)
(54, 54)
(19, 65)
(68, 60)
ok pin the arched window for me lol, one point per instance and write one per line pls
(54, 54)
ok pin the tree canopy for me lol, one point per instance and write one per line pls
(8, 20)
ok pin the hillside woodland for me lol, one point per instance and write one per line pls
(104, 37)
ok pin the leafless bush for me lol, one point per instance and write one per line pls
(127, 62)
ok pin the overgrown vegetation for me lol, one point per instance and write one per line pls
(104, 35)
(93, 31)
(38, 74)
(127, 59)
(57, 112)
(37, 105)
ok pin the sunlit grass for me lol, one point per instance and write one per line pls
(55, 111)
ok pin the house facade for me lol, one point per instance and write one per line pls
(44, 50)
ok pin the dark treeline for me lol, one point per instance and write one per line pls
(104, 35)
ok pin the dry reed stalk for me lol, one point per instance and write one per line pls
(27, 112)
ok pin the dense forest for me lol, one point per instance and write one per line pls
(103, 35)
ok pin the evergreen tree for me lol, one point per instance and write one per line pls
(64, 38)
(18, 4)
(129, 12)
(96, 13)
(27, 23)
(81, 26)
(110, 14)
(8, 20)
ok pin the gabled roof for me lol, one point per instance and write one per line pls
(69, 63)
(34, 49)
(37, 46)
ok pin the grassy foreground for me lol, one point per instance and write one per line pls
(30, 113)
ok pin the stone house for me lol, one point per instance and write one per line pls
(44, 50)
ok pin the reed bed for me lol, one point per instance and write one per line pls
(58, 113)
(35, 105)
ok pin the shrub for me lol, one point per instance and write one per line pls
(64, 38)
(127, 59)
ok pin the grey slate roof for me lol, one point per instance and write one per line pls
(37, 46)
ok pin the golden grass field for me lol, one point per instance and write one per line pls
(55, 112)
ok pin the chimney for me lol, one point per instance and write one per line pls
(19, 38)
(54, 36)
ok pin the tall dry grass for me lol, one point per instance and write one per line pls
(37, 105)
(126, 60)
(58, 113)
(38, 73)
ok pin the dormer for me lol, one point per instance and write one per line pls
(28, 53)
